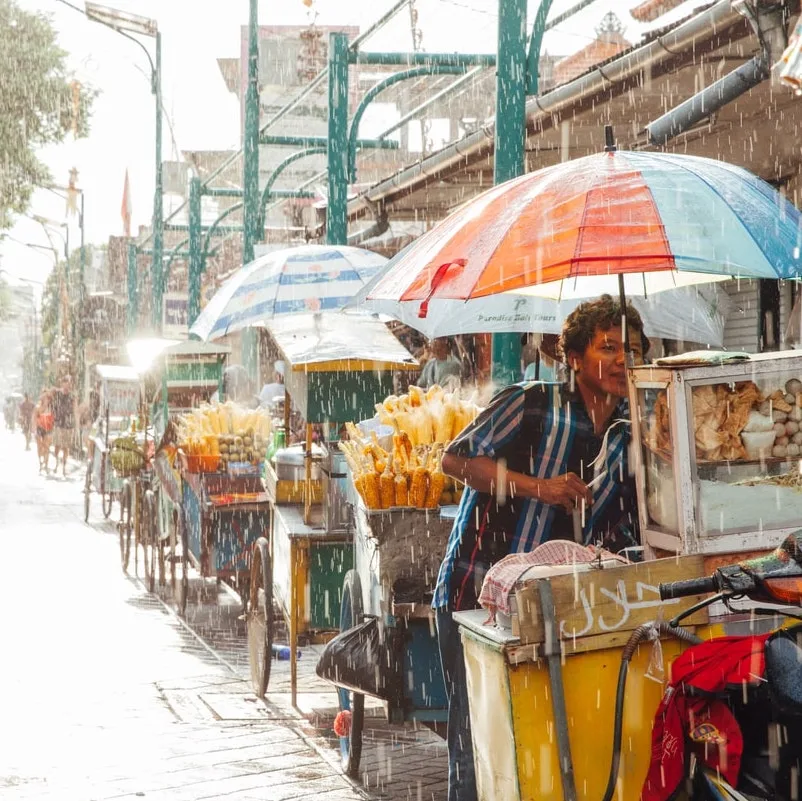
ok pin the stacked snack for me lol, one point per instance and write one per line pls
(410, 476)
(736, 422)
(225, 434)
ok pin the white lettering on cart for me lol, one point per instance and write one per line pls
(646, 597)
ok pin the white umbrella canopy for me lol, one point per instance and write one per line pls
(691, 314)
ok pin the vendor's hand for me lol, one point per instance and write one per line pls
(567, 491)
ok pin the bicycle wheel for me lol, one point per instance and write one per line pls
(260, 617)
(351, 614)
(124, 526)
(87, 490)
(106, 495)
(148, 538)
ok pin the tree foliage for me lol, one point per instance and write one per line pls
(40, 104)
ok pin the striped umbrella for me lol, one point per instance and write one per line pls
(659, 220)
(309, 278)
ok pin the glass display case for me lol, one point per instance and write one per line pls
(718, 453)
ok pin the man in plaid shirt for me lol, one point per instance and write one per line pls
(528, 461)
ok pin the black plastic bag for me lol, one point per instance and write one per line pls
(359, 659)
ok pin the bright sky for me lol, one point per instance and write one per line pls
(201, 112)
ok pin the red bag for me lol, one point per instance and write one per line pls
(45, 422)
(707, 724)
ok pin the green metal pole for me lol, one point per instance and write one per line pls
(509, 159)
(79, 349)
(195, 266)
(337, 211)
(158, 198)
(250, 351)
(267, 192)
(533, 57)
(370, 95)
(133, 290)
(422, 58)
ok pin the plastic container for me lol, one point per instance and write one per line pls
(283, 652)
(757, 444)
(383, 432)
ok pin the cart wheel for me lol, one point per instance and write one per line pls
(159, 542)
(183, 587)
(124, 526)
(260, 617)
(87, 490)
(149, 538)
(351, 614)
(173, 551)
(106, 495)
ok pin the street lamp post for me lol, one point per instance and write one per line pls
(126, 24)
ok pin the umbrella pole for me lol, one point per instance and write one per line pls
(308, 482)
(622, 297)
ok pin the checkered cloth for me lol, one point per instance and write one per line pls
(501, 580)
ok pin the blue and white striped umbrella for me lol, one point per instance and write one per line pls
(308, 278)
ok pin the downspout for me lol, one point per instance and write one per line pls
(769, 25)
(717, 18)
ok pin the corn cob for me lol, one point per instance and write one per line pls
(401, 486)
(419, 485)
(387, 488)
(372, 496)
(444, 423)
(437, 481)
(416, 396)
(434, 393)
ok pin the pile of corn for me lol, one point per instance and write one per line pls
(427, 417)
(410, 476)
(206, 431)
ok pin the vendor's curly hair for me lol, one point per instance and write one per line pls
(603, 314)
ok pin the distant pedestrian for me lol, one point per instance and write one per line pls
(43, 416)
(63, 422)
(443, 368)
(26, 419)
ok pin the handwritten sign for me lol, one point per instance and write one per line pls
(614, 600)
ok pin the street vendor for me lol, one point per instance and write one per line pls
(542, 462)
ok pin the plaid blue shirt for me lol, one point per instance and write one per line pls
(541, 430)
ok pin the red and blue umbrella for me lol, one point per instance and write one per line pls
(660, 220)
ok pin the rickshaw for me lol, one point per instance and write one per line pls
(117, 389)
(176, 376)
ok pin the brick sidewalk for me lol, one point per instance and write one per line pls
(108, 694)
(399, 763)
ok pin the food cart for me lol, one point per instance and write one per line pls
(404, 508)
(716, 456)
(542, 685)
(176, 376)
(117, 388)
(337, 368)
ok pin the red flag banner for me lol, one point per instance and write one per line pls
(125, 210)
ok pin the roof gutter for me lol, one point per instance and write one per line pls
(768, 23)
(715, 19)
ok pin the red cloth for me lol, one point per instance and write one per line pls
(707, 725)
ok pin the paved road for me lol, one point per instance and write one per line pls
(104, 694)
